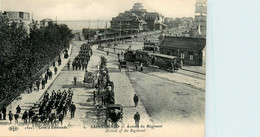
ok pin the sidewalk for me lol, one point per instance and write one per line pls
(28, 100)
(195, 69)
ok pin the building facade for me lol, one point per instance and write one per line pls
(136, 20)
(189, 49)
(18, 16)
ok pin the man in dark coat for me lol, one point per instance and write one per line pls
(55, 70)
(94, 97)
(59, 61)
(24, 117)
(31, 113)
(136, 99)
(61, 117)
(38, 84)
(72, 110)
(10, 115)
(16, 116)
(43, 83)
(18, 109)
(4, 112)
(137, 119)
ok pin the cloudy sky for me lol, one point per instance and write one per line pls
(96, 9)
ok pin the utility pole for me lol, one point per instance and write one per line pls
(89, 29)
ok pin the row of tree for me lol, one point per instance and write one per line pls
(22, 55)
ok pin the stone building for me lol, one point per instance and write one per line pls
(18, 16)
(189, 49)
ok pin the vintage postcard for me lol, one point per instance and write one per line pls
(103, 67)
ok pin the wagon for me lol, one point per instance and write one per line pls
(114, 114)
(89, 80)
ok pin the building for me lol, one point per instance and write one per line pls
(18, 16)
(136, 20)
(200, 20)
(189, 49)
(127, 23)
(138, 9)
(45, 22)
(154, 21)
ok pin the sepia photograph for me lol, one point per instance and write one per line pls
(103, 67)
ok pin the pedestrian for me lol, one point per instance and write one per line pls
(141, 67)
(53, 63)
(118, 55)
(38, 84)
(31, 86)
(68, 65)
(107, 53)
(59, 61)
(72, 110)
(136, 99)
(10, 116)
(73, 65)
(0, 115)
(94, 97)
(136, 67)
(46, 78)
(55, 70)
(43, 83)
(114, 49)
(137, 119)
(61, 117)
(16, 116)
(25, 116)
(18, 109)
(4, 112)
(75, 80)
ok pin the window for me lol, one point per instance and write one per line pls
(182, 55)
(191, 57)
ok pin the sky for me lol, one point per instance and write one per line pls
(96, 9)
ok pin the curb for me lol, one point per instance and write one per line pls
(193, 71)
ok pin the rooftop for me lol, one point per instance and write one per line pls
(183, 42)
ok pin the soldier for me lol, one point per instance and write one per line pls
(72, 110)
(136, 99)
(10, 116)
(18, 109)
(137, 119)
(61, 117)
(31, 113)
(24, 117)
(16, 116)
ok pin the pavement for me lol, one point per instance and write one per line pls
(28, 99)
(196, 69)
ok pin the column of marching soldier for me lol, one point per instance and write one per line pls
(49, 112)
